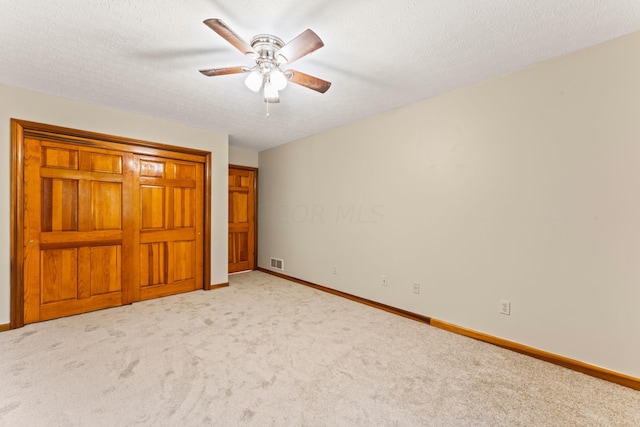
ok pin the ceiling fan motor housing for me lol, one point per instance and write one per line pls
(266, 46)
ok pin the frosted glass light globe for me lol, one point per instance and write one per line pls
(254, 80)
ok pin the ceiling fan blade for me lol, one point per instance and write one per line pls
(305, 43)
(223, 71)
(306, 80)
(227, 33)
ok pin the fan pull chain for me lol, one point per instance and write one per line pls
(267, 109)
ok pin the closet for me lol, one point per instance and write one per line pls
(105, 220)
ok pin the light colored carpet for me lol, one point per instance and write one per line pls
(268, 352)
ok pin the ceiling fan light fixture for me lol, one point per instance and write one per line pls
(254, 80)
(270, 91)
(277, 79)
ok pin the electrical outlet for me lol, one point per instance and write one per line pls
(335, 269)
(416, 288)
(385, 280)
(505, 307)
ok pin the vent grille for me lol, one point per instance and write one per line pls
(278, 264)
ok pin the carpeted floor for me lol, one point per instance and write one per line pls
(268, 352)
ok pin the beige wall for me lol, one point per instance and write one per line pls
(38, 107)
(524, 188)
(242, 157)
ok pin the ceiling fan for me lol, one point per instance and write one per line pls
(270, 52)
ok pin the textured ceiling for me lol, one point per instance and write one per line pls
(143, 56)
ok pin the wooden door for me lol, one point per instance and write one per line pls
(169, 203)
(242, 219)
(97, 224)
(73, 218)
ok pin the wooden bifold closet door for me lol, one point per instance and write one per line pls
(104, 226)
(74, 222)
(169, 233)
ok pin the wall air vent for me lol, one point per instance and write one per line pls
(278, 264)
